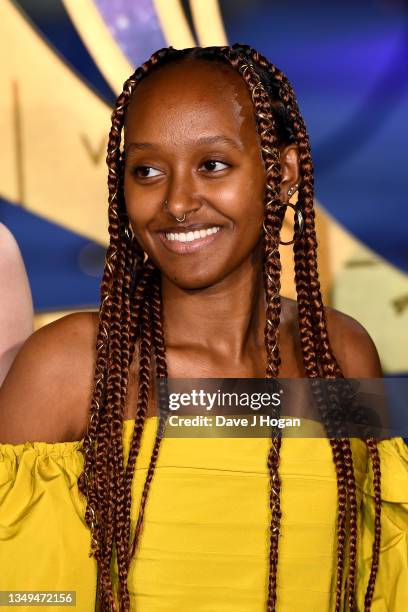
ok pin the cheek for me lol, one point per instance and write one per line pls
(243, 200)
(139, 206)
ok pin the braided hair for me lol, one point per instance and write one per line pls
(131, 312)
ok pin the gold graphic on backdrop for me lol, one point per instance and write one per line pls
(376, 295)
(18, 142)
(400, 304)
(360, 263)
(207, 20)
(97, 38)
(208, 23)
(98, 153)
(175, 27)
(51, 107)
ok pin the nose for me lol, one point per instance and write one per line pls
(181, 198)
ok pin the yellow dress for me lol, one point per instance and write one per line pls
(204, 546)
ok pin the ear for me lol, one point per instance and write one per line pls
(289, 159)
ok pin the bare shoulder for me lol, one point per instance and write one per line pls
(10, 260)
(16, 307)
(352, 345)
(7, 240)
(47, 392)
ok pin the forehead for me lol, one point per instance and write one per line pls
(191, 97)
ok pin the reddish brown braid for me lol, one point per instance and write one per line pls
(332, 369)
(136, 319)
(307, 337)
(161, 372)
(102, 480)
(310, 289)
(322, 355)
(272, 272)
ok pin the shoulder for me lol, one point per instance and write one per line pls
(10, 261)
(7, 239)
(10, 251)
(47, 392)
(16, 308)
(352, 345)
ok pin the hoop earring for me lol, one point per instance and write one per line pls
(300, 223)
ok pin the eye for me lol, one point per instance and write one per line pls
(214, 165)
(145, 172)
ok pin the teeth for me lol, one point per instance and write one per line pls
(190, 236)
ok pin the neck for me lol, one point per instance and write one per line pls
(225, 320)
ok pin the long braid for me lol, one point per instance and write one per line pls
(144, 335)
(327, 359)
(330, 366)
(272, 272)
(121, 350)
(96, 459)
(102, 479)
(311, 366)
(144, 386)
(340, 448)
(331, 369)
(161, 372)
(115, 387)
(134, 319)
(125, 330)
(115, 399)
(375, 462)
(313, 305)
(308, 345)
(141, 316)
(312, 370)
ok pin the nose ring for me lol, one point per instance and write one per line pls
(177, 219)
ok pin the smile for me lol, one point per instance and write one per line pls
(190, 236)
(186, 242)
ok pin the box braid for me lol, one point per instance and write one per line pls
(103, 480)
(307, 286)
(327, 359)
(131, 310)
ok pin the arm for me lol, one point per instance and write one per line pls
(16, 307)
(47, 392)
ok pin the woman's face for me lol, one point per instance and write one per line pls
(191, 148)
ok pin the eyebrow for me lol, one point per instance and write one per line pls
(205, 140)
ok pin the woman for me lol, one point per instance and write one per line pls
(16, 306)
(213, 143)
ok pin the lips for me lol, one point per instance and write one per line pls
(186, 228)
(176, 246)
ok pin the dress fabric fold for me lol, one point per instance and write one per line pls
(205, 539)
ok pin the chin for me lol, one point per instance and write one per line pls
(194, 280)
